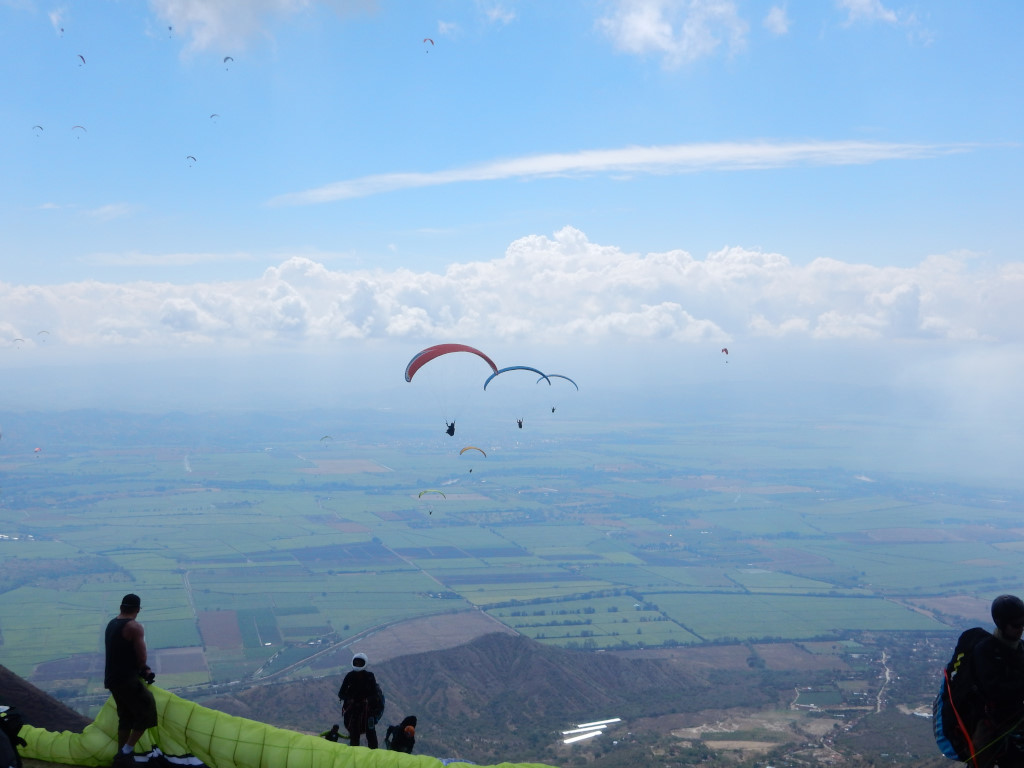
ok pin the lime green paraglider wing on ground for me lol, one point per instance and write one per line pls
(218, 739)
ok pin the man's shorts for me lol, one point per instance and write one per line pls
(136, 708)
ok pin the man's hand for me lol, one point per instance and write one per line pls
(148, 675)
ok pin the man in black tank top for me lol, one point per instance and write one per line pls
(123, 676)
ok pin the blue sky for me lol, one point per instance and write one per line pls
(639, 180)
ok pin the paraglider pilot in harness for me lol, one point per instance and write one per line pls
(450, 428)
(999, 672)
(361, 705)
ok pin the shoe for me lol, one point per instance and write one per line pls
(121, 760)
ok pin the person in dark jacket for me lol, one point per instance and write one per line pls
(11, 724)
(999, 670)
(358, 691)
(125, 676)
(402, 737)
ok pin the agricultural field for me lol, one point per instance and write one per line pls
(259, 557)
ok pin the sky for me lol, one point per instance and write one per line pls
(207, 202)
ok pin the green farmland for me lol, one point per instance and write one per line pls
(253, 555)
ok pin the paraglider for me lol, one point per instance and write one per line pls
(191, 160)
(326, 437)
(444, 379)
(78, 128)
(517, 368)
(428, 40)
(38, 130)
(558, 376)
(725, 351)
(430, 511)
(424, 356)
(473, 448)
(82, 58)
(225, 62)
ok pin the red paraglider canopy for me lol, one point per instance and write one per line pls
(425, 356)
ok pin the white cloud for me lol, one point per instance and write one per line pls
(867, 10)
(111, 211)
(496, 12)
(777, 20)
(680, 31)
(231, 24)
(137, 259)
(56, 17)
(568, 290)
(673, 159)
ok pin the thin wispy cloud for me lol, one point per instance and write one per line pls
(137, 259)
(497, 12)
(111, 211)
(218, 24)
(867, 10)
(57, 19)
(655, 160)
(777, 20)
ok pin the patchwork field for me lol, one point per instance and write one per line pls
(269, 559)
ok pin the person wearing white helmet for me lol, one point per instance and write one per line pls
(360, 702)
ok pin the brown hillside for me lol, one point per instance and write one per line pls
(502, 695)
(36, 707)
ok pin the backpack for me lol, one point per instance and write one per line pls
(375, 704)
(957, 707)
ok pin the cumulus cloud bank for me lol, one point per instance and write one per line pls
(567, 290)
